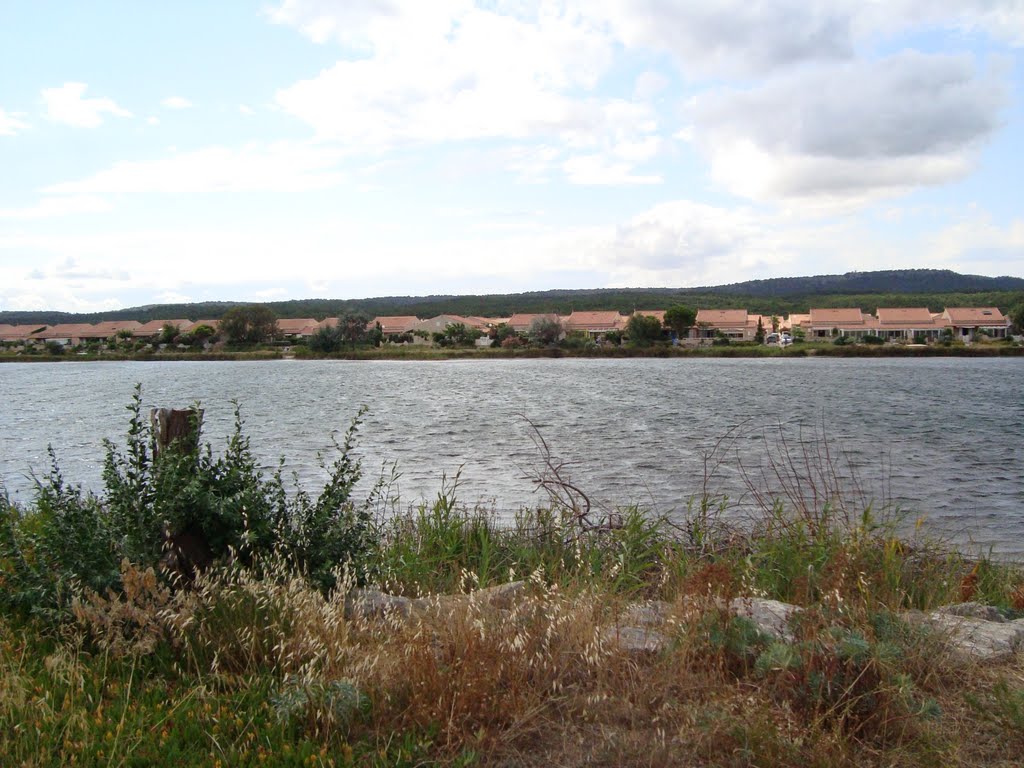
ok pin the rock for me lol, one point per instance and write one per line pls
(372, 603)
(501, 596)
(651, 614)
(973, 610)
(771, 616)
(977, 638)
(636, 639)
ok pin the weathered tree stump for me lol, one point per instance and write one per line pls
(172, 425)
(187, 551)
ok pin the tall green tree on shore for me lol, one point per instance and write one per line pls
(353, 328)
(643, 330)
(546, 330)
(250, 324)
(680, 318)
(1017, 315)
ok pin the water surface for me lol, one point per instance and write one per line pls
(941, 437)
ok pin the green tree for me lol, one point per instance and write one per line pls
(680, 319)
(545, 330)
(643, 330)
(326, 339)
(202, 332)
(168, 333)
(759, 333)
(1017, 316)
(460, 335)
(250, 324)
(500, 333)
(353, 328)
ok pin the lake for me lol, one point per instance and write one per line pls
(941, 437)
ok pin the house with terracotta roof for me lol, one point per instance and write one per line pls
(595, 323)
(109, 329)
(731, 323)
(297, 327)
(839, 321)
(484, 324)
(908, 324)
(658, 313)
(965, 322)
(424, 330)
(156, 327)
(14, 334)
(793, 321)
(67, 334)
(393, 325)
(521, 321)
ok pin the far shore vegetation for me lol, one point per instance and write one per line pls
(202, 610)
(252, 332)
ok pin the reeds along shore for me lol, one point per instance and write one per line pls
(121, 643)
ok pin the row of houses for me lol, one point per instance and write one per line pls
(891, 324)
(903, 323)
(73, 334)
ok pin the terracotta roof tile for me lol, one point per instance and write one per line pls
(722, 318)
(595, 321)
(985, 316)
(836, 316)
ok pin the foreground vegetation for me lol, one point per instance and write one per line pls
(125, 642)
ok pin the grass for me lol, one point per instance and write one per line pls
(261, 668)
(254, 663)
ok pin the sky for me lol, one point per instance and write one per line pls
(260, 151)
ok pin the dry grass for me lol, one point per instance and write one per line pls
(538, 681)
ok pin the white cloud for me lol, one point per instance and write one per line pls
(976, 244)
(176, 102)
(280, 167)
(11, 123)
(648, 85)
(999, 19)
(246, 110)
(680, 243)
(467, 74)
(464, 73)
(850, 132)
(599, 170)
(67, 105)
(50, 207)
(732, 36)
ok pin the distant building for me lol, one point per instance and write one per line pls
(842, 321)
(737, 324)
(908, 324)
(595, 323)
(964, 322)
(297, 327)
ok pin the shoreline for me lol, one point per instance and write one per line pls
(804, 351)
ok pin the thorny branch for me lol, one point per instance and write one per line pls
(562, 492)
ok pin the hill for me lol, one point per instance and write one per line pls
(869, 290)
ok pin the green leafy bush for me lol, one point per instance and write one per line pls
(151, 501)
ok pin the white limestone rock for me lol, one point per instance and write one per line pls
(771, 616)
(977, 638)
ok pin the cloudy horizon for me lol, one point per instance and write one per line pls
(260, 151)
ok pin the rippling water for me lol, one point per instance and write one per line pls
(941, 437)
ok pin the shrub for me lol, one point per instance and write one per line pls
(179, 501)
